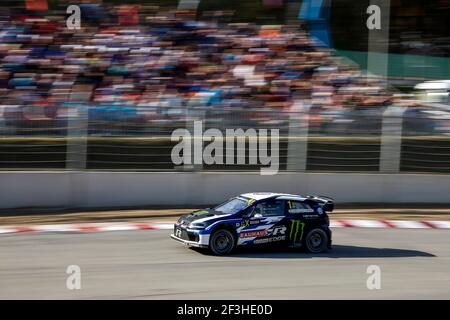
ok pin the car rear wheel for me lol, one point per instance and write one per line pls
(222, 242)
(316, 241)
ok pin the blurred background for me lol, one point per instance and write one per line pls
(107, 96)
(86, 117)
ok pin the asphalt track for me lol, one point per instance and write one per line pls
(415, 264)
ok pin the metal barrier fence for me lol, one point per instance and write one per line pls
(361, 139)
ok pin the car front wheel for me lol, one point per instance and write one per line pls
(316, 241)
(222, 242)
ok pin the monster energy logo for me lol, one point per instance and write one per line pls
(295, 228)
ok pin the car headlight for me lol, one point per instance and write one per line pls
(198, 225)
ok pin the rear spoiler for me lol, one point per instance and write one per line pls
(325, 202)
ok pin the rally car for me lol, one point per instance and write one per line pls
(257, 219)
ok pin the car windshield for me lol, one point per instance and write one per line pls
(232, 206)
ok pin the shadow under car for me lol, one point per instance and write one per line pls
(338, 252)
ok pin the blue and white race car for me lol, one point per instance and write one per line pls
(257, 219)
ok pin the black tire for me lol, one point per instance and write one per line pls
(316, 241)
(222, 242)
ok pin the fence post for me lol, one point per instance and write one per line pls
(76, 154)
(77, 131)
(298, 137)
(391, 139)
(192, 115)
(378, 46)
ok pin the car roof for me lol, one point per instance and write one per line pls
(266, 195)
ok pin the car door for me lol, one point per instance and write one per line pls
(265, 225)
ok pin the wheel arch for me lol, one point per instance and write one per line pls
(228, 227)
(327, 241)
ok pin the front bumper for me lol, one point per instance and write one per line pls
(190, 237)
(189, 243)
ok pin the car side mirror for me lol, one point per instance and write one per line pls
(257, 215)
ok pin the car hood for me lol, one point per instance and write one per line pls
(201, 216)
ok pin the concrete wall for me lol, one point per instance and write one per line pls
(116, 189)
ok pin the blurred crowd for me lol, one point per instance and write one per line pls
(138, 65)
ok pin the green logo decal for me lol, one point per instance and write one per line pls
(197, 213)
(295, 228)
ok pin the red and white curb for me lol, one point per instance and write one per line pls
(129, 226)
(91, 227)
(400, 224)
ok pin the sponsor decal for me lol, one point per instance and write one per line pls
(297, 210)
(268, 240)
(297, 229)
(246, 223)
(301, 210)
(251, 234)
(309, 216)
(278, 230)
